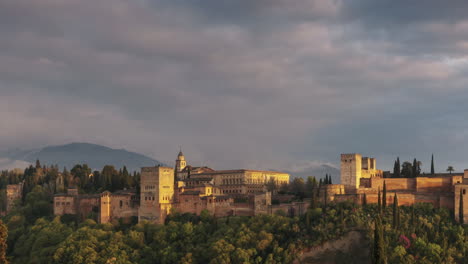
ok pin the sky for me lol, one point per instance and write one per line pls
(264, 84)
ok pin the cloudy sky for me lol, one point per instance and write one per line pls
(246, 83)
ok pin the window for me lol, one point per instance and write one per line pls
(464, 191)
(121, 203)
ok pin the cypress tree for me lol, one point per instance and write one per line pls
(384, 196)
(329, 179)
(396, 215)
(398, 167)
(395, 169)
(325, 197)
(313, 200)
(432, 165)
(342, 220)
(364, 200)
(379, 203)
(415, 168)
(460, 209)
(378, 252)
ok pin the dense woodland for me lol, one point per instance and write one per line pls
(396, 234)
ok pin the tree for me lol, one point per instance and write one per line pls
(364, 200)
(397, 168)
(396, 213)
(450, 169)
(416, 168)
(432, 165)
(384, 196)
(460, 209)
(311, 184)
(379, 203)
(378, 252)
(407, 169)
(298, 187)
(3, 242)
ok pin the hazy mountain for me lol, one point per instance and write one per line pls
(314, 168)
(96, 156)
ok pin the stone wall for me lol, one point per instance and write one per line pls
(88, 205)
(123, 206)
(436, 184)
(407, 184)
(64, 204)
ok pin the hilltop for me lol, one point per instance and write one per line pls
(68, 155)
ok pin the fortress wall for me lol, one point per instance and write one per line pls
(447, 201)
(223, 207)
(86, 206)
(122, 206)
(394, 183)
(404, 198)
(64, 205)
(349, 197)
(365, 183)
(298, 208)
(439, 184)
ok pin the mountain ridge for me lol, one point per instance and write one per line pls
(96, 156)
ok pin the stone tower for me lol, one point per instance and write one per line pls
(156, 193)
(351, 168)
(180, 164)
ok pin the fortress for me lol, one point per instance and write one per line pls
(184, 189)
(360, 177)
(188, 189)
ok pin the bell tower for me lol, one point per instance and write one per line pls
(180, 164)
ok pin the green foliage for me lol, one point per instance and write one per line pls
(384, 196)
(378, 251)
(3, 242)
(450, 169)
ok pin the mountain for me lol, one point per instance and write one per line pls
(96, 156)
(314, 168)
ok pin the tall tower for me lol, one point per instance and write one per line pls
(180, 164)
(157, 193)
(351, 168)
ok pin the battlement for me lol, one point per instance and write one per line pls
(355, 167)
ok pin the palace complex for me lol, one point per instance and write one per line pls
(184, 189)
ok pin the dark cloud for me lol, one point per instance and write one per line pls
(264, 84)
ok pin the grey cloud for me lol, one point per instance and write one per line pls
(243, 83)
